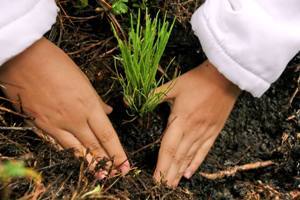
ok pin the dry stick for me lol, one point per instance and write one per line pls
(295, 92)
(108, 52)
(265, 187)
(86, 48)
(13, 112)
(116, 24)
(233, 170)
(12, 128)
(107, 7)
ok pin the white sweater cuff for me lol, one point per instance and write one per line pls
(21, 33)
(225, 64)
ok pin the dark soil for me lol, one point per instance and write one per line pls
(257, 130)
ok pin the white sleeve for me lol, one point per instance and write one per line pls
(249, 41)
(22, 22)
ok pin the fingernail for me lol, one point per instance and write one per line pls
(109, 109)
(188, 174)
(101, 174)
(113, 173)
(125, 167)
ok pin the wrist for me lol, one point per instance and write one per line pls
(220, 80)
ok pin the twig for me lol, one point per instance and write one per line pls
(107, 7)
(13, 112)
(108, 52)
(233, 170)
(295, 92)
(145, 147)
(16, 128)
(87, 48)
(270, 190)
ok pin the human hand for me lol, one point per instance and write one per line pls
(201, 101)
(63, 103)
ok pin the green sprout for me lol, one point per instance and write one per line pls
(140, 57)
(16, 169)
(119, 7)
(82, 3)
(12, 169)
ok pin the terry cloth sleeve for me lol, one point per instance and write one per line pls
(22, 22)
(249, 41)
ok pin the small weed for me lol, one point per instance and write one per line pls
(82, 3)
(12, 169)
(119, 7)
(16, 169)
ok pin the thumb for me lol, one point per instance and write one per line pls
(169, 91)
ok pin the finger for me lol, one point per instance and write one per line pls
(169, 90)
(203, 135)
(88, 139)
(179, 171)
(199, 157)
(168, 149)
(173, 171)
(91, 143)
(68, 140)
(106, 135)
(107, 108)
(186, 161)
(186, 143)
(64, 138)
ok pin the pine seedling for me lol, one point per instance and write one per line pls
(140, 57)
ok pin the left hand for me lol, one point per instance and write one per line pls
(201, 100)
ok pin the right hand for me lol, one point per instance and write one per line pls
(62, 102)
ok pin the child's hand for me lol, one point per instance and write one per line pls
(202, 100)
(63, 103)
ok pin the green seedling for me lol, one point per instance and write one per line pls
(16, 169)
(82, 3)
(119, 7)
(140, 57)
(12, 169)
(95, 193)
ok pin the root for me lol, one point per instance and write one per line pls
(233, 170)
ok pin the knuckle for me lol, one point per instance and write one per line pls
(106, 137)
(179, 175)
(177, 160)
(192, 136)
(78, 151)
(188, 158)
(172, 118)
(95, 149)
(170, 150)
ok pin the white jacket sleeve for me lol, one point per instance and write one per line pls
(249, 41)
(22, 22)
